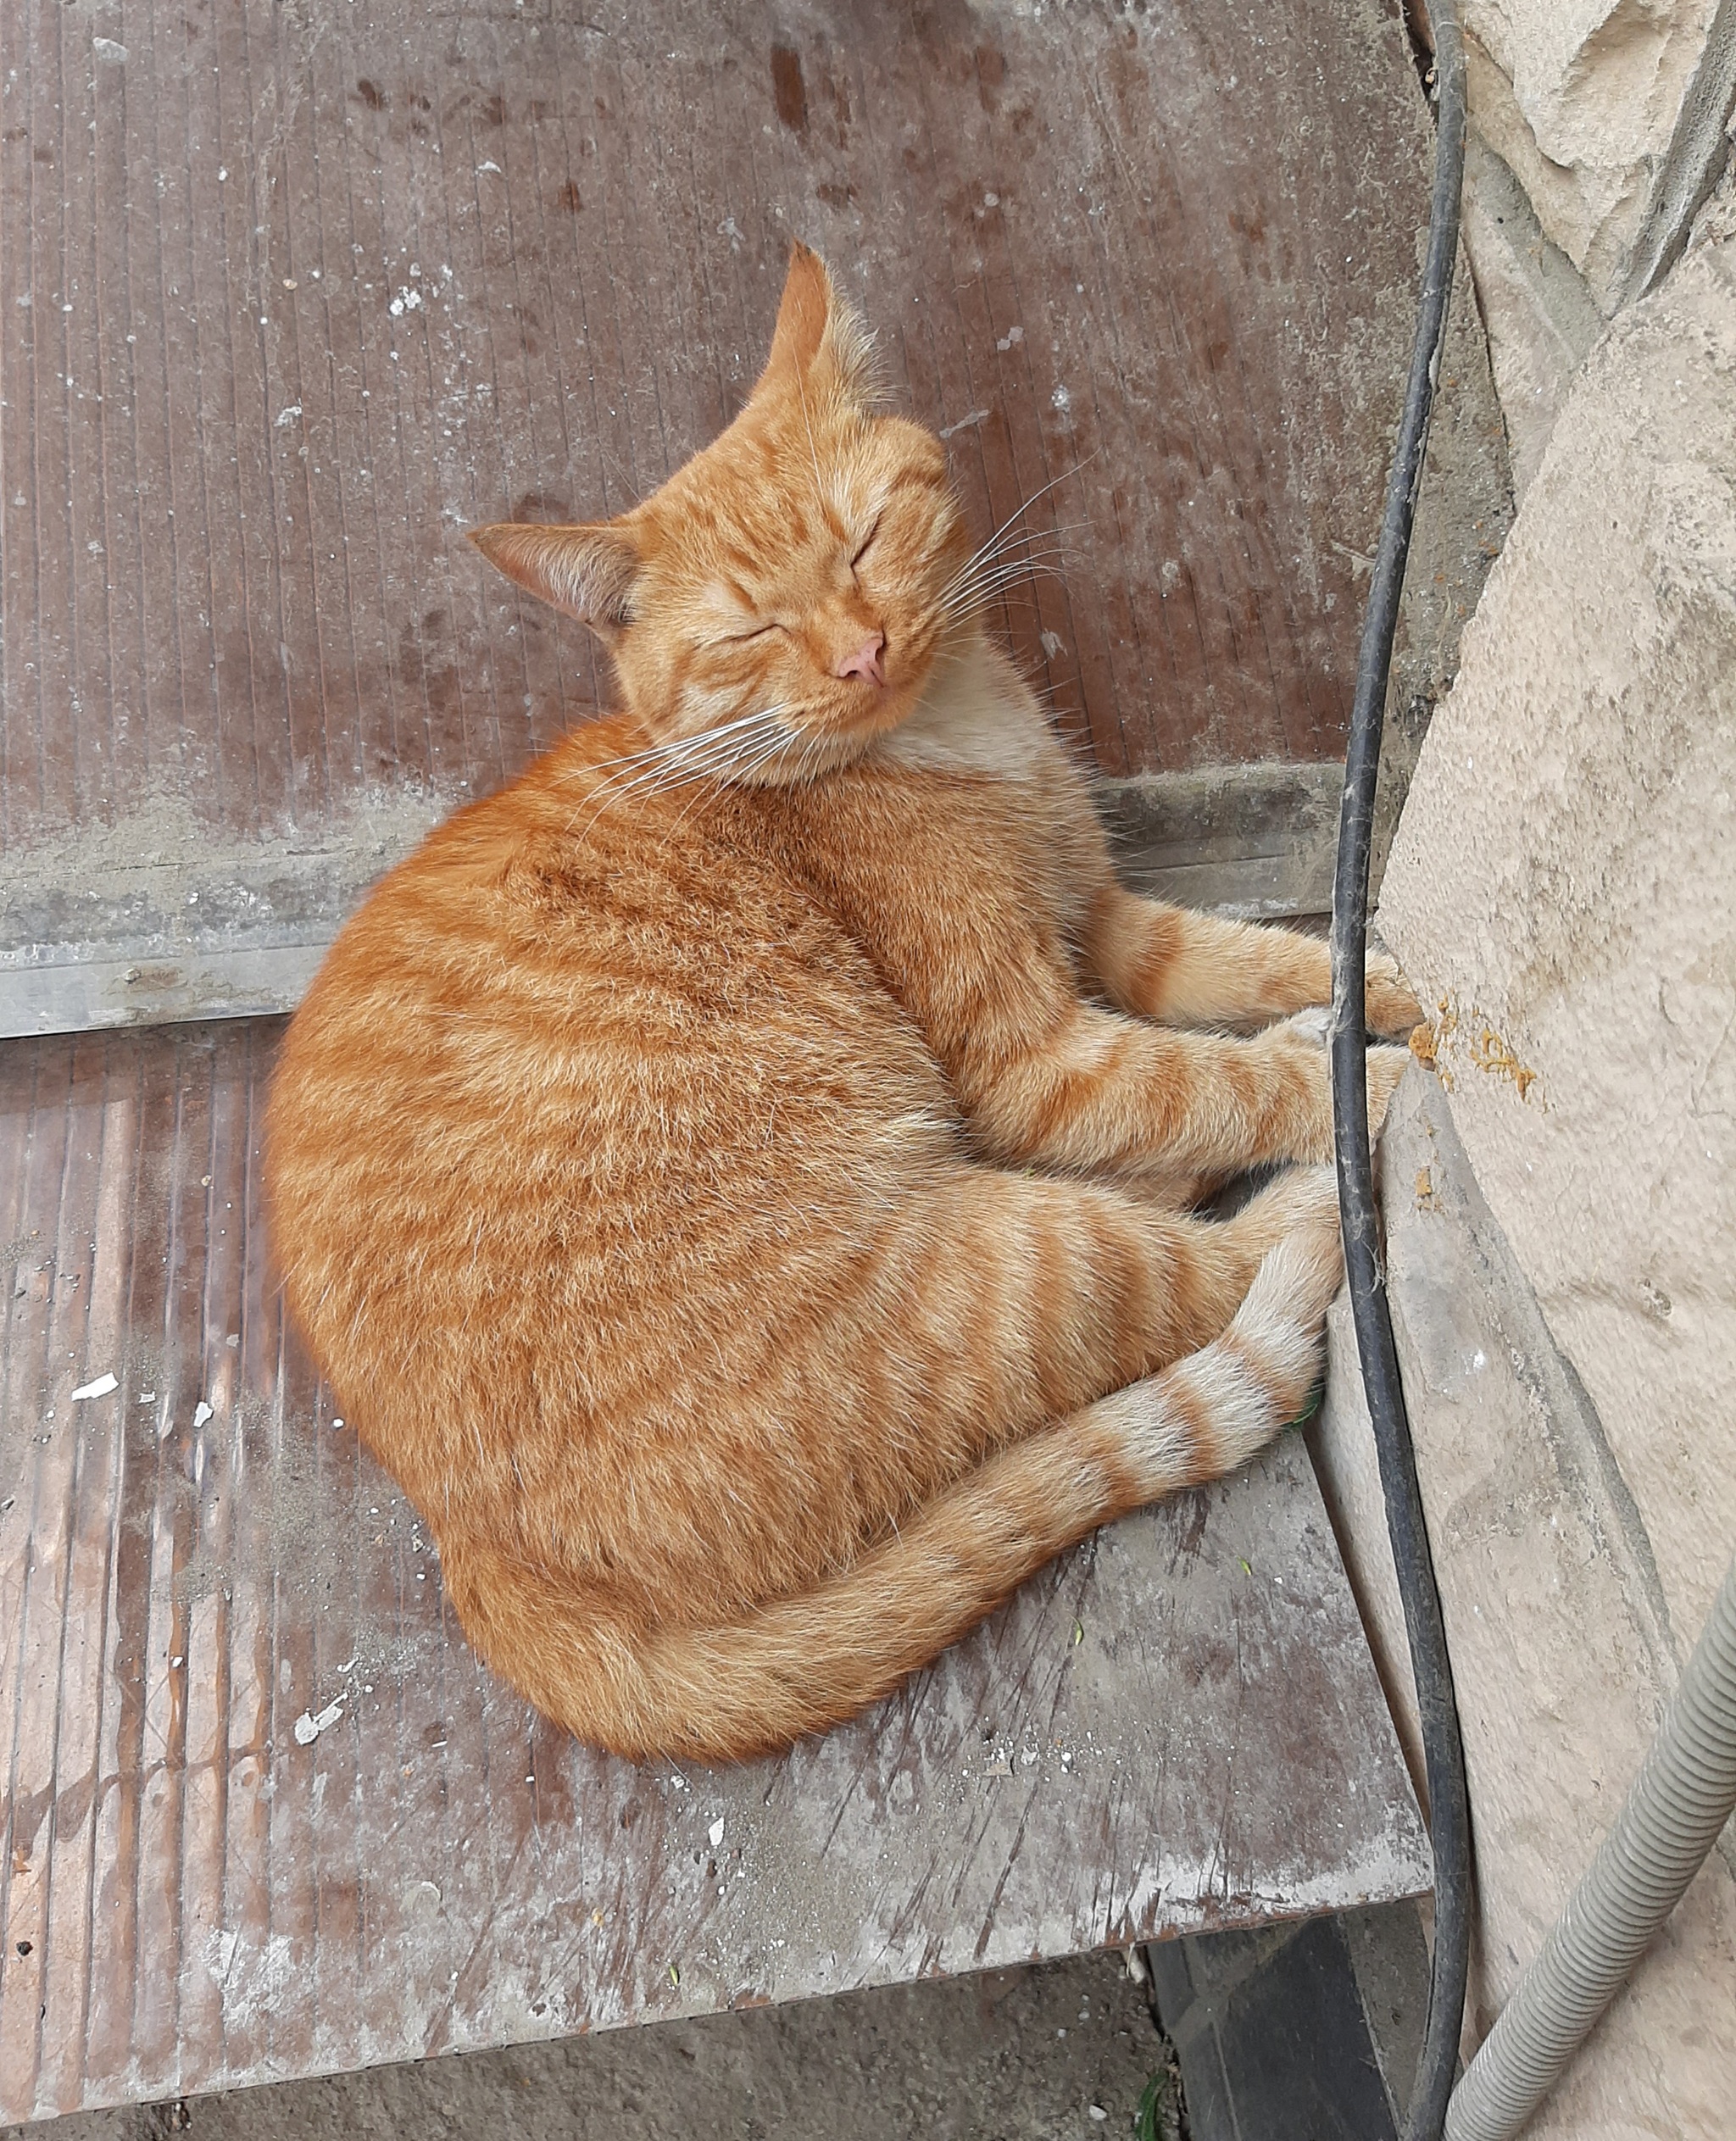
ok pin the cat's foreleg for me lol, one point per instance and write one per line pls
(1098, 1093)
(1187, 968)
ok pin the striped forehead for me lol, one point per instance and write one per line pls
(750, 552)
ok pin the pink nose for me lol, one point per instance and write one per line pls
(866, 661)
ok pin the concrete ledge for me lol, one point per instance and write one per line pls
(1251, 841)
(156, 918)
(159, 917)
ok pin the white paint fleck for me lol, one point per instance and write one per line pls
(254, 1980)
(99, 1388)
(966, 423)
(310, 1724)
(202, 1413)
(714, 1834)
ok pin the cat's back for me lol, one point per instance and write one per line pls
(587, 1032)
(575, 894)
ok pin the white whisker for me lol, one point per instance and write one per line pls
(1012, 569)
(670, 744)
(1012, 546)
(966, 601)
(740, 772)
(1003, 559)
(990, 547)
(708, 754)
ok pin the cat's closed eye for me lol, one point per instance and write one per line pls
(861, 549)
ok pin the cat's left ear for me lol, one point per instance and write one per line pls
(820, 338)
(587, 571)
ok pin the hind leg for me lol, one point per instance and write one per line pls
(949, 1505)
(996, 1302)
(751, 1678)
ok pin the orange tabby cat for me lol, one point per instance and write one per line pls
(734, 1176)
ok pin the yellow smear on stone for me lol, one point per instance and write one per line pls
(1471, 1039)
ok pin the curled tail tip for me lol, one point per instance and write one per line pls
(1296, 1282)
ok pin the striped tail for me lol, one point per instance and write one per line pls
(806, 1662)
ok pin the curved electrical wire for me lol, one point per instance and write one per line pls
(1449, 1808)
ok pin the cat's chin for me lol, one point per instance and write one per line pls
(830, 746)
(821, 752)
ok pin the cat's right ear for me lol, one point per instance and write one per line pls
(587, 571)
(817, 332)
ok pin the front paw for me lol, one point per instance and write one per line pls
(1304, 1045)
(1390, 1006)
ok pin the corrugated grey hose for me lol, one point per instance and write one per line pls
(1683, 1794)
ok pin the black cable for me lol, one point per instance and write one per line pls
(1443, 1758)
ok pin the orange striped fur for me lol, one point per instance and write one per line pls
(735, 1177)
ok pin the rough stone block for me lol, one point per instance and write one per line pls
(1610, 113)
(1562, 889)
(1536, 309)
(1562, 885)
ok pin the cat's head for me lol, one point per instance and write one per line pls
(797, 578)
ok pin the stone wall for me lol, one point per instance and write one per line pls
(1561, 1201)
(1597, 128)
